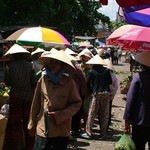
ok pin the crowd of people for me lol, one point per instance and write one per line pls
(57, 94)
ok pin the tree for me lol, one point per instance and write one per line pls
(73, 17)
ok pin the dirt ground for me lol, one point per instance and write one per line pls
(116, 128)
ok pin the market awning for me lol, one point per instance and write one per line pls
(85, 37)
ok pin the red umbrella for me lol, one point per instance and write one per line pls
(112, 39)
(104, 2)
(124, 3)
(136, 38)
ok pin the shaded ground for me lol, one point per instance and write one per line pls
(116, 128)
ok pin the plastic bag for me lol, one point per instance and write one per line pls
(125, 143)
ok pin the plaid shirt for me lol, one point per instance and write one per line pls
(20, 76)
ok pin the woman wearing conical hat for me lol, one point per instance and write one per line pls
(98, 81)
(114, 86)
(56, 100)
(35, 55)
(20, 76)
(85, 55)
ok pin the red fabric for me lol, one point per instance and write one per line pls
(124, 3)
(136, 38)
(112, 39)
(104, 2)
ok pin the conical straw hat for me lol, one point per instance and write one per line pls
(96, 60)
(70, 52)
(143, 58)
(72, 57)
(86, 52)
(53, 50)
(58, 55)
(16, 49)
(109, 64)
(38, 50)
(100, 51)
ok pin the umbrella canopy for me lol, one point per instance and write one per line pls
(138, 15)
(132, 2)
(112, 39)
(123, 3)
(136, 38)
(38, 36)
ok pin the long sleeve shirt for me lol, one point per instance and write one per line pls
(114, 86)
(138, 99)
(20, 75)
(99, 79)
(63, 98)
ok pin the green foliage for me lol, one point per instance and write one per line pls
(73, 17)
(116, 25)
(122, 72)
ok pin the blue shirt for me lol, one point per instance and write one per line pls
(138, 99)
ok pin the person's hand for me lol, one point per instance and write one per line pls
(127, 128)
(51, 114)
(32, 131)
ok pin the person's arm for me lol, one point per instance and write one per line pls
(132, 97)
(34, 78)
(114, 86)
(88, 83)
(127, 128)
(6, 76)
(35, 108)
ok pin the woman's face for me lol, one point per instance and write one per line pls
(54, 65)
(85, 58)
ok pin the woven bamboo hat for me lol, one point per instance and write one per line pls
(143, 58)
(70, 52)
(58, 55)
(100, 51)
(38, 50)
(86, 52)
(96, 60)
(109, 64)
(16, 49)
(53, 50)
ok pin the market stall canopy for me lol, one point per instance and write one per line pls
(85, 44)
(85, 37)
